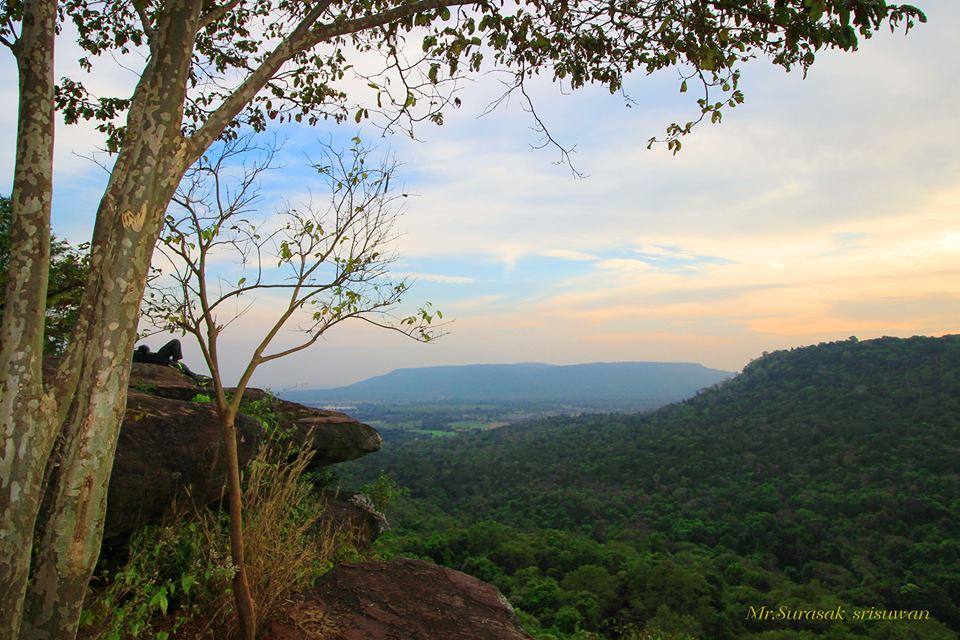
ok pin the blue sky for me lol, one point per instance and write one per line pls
(821, 208)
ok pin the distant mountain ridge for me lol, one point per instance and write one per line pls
(639, 382)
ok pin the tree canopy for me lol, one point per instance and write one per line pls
(258, 60)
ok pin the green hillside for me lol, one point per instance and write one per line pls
(825, 475)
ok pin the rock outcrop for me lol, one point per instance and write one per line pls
(334, 436)
(169, 450)
(166, 446)
(353, 514)
(408, 599)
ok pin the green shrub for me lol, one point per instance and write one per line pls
(383, 491)
(170, 573)
(265, 410)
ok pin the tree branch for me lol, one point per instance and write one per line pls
(217, 13)
(234, 104)
(148, 30)
(305, 36)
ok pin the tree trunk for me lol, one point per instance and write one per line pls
(71, 525)
(242, 596)
(27, 415)
(144, 178)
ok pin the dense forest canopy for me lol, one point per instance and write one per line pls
(820, 476)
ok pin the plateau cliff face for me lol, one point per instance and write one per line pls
(636, 385)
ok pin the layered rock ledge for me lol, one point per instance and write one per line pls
(408, 599)
(170, 448)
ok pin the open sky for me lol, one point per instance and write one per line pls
(822, 208)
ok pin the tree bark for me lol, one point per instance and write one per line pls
(153, 159)
(27, 414)
(242, 596)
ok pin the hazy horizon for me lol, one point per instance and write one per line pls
(508, 364)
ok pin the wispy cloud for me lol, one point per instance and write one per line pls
(567, 254)
(435, 277)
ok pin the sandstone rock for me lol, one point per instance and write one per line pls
(334, 436)
(167, 444)
(408, 599)
(353, 514)
(149, 377)
(164, 447)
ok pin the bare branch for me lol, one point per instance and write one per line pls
(333, 258)
(541, 128)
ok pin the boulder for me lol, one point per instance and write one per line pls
(408, 599)
(352, 514)
(165, 447)
(170, 451)
(150, 377)
(334, 436)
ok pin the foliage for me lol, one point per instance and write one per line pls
(68, 270)
(169, 565)
(383, 492)
(264, 409)
(323, 478)
(178, 574)
(333, 260)
(145, 387)
(400, 423)
(819, 476)
(589, 42)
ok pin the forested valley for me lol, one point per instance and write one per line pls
(820, 477)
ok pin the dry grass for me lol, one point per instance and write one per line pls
(288, 546)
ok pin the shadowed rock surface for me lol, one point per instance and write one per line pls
(165, 446)
(353, 514)
(168, 443)
(408, 599)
